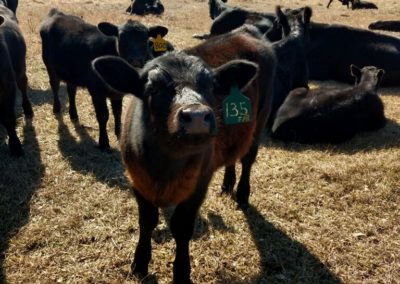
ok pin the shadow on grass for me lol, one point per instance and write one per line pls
(283, 260)
(203, 226)
(84, 157)
(385, 138)
(19, 179)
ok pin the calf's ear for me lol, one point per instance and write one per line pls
(282, 20)
(118, 75)
(307, 13)
(355, 72)
(235, 72)
(108, 29)
(158, 30)
(380, 74)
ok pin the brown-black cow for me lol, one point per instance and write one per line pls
(184, 122)
(332, 115)
(69, 45)
(12, 75)
(243, 43)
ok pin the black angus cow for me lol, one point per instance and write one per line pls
(292, 68)
(69, 45)
(363, 5)
(174, 136)
(356, 4)
(330, 115)
(10, 4)
(227, 18)
(393, 26)
(334, 47)
(12, 74)
(143, 7)
(344, 2)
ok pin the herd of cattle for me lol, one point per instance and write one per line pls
(205, 107)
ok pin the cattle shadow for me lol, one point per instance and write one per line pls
(84, 156)
(385, 138)
(19, 179)
(39, 97)
(203, 226)
(283, 260)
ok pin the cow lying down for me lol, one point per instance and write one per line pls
(332, 115)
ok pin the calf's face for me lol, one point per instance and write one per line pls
(369, 74)
(178, 93)
(133, 40)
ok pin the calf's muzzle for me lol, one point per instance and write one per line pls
(197, 119)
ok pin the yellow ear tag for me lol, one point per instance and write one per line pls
(159, 44)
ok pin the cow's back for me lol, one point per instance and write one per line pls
(334, 47)
(234, 141)
(13, 45)
(70, 44)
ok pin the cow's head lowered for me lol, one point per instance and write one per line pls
(177, 93)
(133, 39)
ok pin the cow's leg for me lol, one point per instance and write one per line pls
(100, 107)
(182, 226)
(71, 89)
(9, 121)
(229, 179)
(243, 189)
(116, 105)
(55, 86)
(22, 83)
(148, 219)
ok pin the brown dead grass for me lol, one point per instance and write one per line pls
(319, 214)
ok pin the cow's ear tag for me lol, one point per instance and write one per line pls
(159, 44)
(236, 107)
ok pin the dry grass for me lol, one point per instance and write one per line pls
(319, 214)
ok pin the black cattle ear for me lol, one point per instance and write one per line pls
(355, 71)
(1, 20)
(235, 72)
(380, 74)
(118, 75)
(282, 20)
(307, 13)
(108, 29)
(158, 30)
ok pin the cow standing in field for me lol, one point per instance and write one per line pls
(292, 69)
(174, 134)
(333, 48)
(332, 115)
(243, 43)
(143, 7)
(12, 74)
(69, 45)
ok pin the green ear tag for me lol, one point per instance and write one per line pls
(236, 107)
(159, 44)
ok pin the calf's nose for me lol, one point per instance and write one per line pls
(197, 119)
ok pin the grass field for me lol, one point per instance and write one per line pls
(318, 214)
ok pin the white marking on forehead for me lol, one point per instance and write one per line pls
(188, 96)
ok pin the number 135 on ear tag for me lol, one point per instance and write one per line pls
(236, 107)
